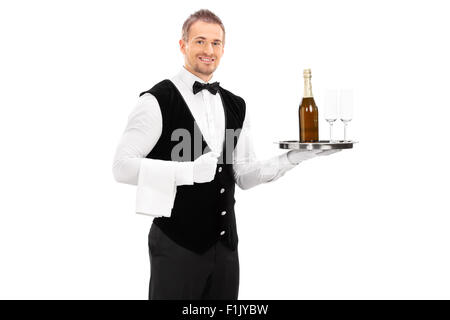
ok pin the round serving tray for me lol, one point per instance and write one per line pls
(320, 145)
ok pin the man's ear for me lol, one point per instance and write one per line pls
(182, 46)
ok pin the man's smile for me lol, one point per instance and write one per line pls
(207, 60)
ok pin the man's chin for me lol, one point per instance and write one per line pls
(206, 70)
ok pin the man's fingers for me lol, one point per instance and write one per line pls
(307, 151)
(212, 154)
(328, 152)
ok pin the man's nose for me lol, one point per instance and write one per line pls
(208, 48)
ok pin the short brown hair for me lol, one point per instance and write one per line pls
(204, 15)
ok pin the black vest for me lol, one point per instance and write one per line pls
(203, 213)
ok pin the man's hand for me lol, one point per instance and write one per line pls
(297, 156)
(328, 152)
(205, 167)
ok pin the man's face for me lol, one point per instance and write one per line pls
(204, 48)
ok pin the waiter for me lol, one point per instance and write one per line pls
(186, 144)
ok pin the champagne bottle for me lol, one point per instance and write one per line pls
(308, 113)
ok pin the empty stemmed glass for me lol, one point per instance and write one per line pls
(346, 108)
(331, 109)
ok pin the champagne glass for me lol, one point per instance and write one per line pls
(331, 109)
(346, 108)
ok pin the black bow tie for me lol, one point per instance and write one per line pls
(211, 87)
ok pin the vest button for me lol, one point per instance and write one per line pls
(222, 190)
(222, 233)
(220, 169)
(223, 213)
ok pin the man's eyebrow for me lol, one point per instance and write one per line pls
(200, 37)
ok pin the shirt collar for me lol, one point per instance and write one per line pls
(189, 78)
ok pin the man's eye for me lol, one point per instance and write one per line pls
(199, 41)
(216, 43)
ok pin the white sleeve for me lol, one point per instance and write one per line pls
(156, 180)
(248, 170)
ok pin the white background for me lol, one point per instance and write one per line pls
(368, 223)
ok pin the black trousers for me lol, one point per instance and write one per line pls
(177, 273)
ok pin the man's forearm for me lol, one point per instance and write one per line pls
(253, 173)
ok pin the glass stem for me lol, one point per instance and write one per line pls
(331, 131)
(345, 131)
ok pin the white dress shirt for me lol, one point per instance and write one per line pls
(156, 180)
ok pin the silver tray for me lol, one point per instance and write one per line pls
(320, 145)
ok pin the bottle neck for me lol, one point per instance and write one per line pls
(308, 88)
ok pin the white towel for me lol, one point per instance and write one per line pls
(156, 188)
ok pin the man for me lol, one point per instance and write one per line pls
(190, 191)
